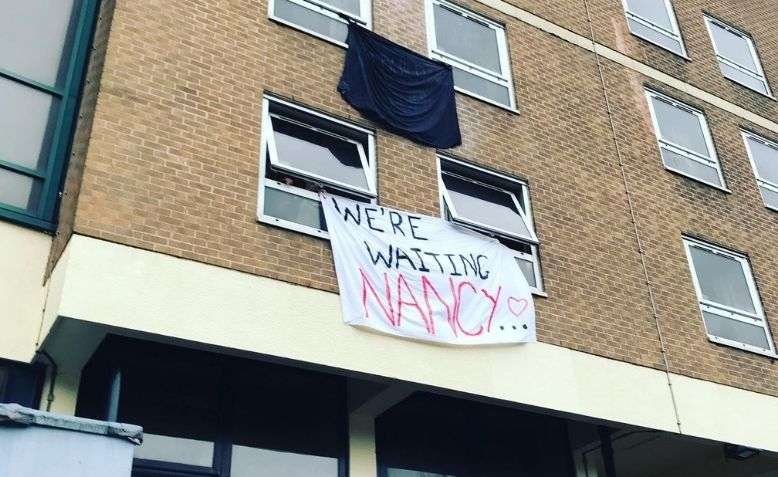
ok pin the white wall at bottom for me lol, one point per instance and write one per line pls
(119, 286)
(23, 256)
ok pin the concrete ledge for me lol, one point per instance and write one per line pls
(118, 286)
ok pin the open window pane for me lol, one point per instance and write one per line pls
(733, 47)
(254, 462)
(35, 36)
(681, 127)
(27, 120)
(19, 190)
(317, 154)
(655, 11)
(175, 449)
(491, 207)
(294, 208)
(528, 269)
(722, 279)
(765, 160)
(738, 331)
(467, 39)
(311, 20)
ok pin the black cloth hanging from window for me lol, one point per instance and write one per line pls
(401, 90)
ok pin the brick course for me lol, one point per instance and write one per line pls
(172, 165)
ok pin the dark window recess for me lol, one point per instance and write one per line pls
(205, 414)
(21, 383)
(445, 436)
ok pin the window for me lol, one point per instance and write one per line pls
(475, 47)
(730, 305)
(326, 19)
(654, 21)
(493, 204)
(764, 159)
(429, 435)
(737, 56)
(43, 48)
(206, 415)
(303, 152)
(684, 140)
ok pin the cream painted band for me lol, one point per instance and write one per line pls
(624, 60)
(23, 257)
(119, 286)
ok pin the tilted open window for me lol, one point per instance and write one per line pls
(764, 159)
(326, 19)
(738, 59)
(654, 21)
(684, 140)
(493, 204)
(304, 152)
(729, 302)
(475, 47)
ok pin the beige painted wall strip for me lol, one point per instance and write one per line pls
(624, 60)
(244, 312)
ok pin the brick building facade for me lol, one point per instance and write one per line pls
(158, 236)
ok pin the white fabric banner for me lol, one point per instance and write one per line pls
(425, 278)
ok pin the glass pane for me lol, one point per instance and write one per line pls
(27, 119)
(173, 394)
(746, 80)
(33, 36)
(351, 6)
(665, 41)
(681, 127)
(294, 208)
(654, 11)
(691, 167)
(19, 191)
(175, 449)
(733, 47)
(412, 473)
(766, 160)
(252, 462)
(466, 39)
(482, 87)
(722, 279)
(735, 330)
(770, 197)
(528, 269)
(311, 20)
(287, 422)
(317, 153)
(484, 205)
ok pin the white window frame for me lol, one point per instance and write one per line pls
(674, 35)
(268, 145)
(503, 79)
(758, 75)
(760, 181)
(712, 161)
(758, 318)
(323, 8)
(271, 146)
(525, 212)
